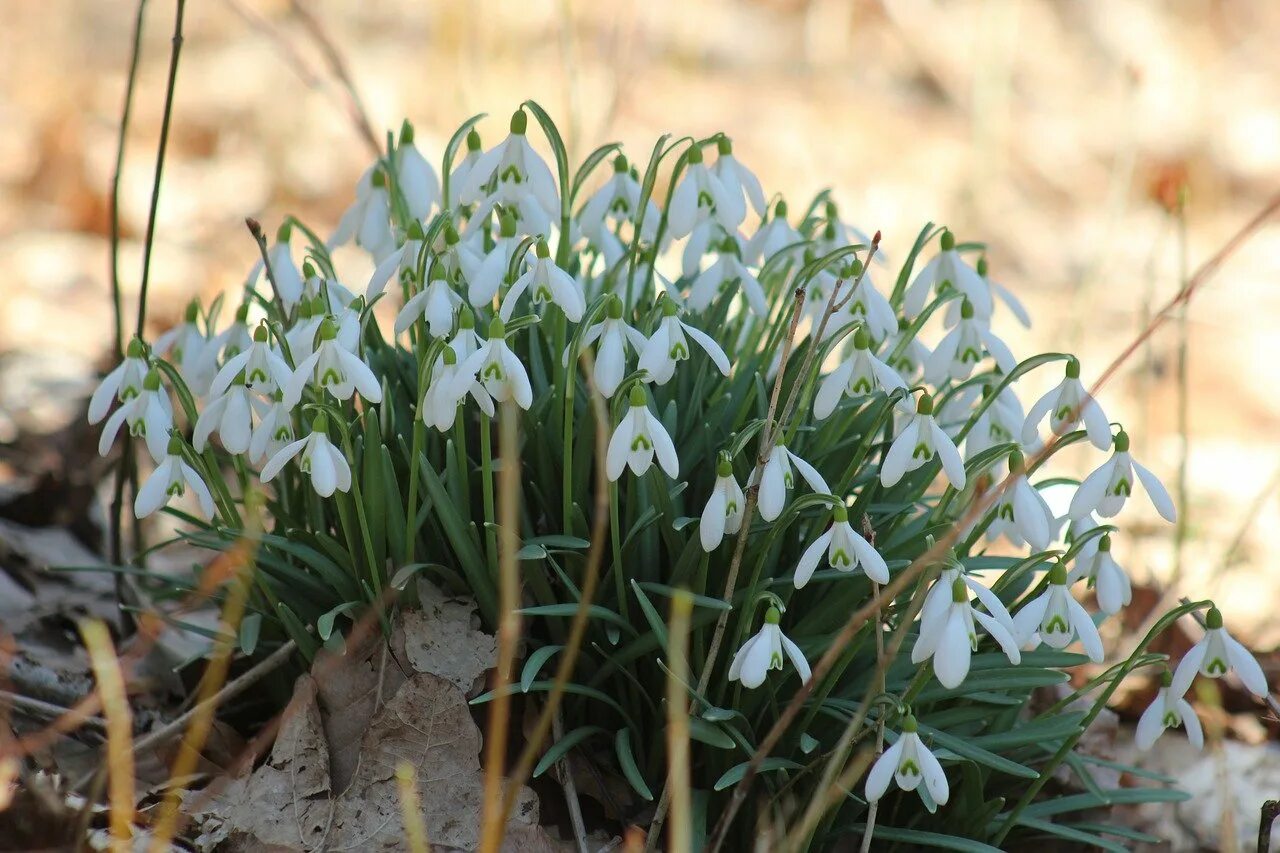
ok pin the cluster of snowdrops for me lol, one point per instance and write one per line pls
(709, 285)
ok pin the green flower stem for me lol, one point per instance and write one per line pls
(615, 536)
(1046, 773)
(486, 485)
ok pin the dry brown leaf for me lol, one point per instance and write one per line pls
(444, 638)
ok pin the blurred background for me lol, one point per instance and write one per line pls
(1062, 133)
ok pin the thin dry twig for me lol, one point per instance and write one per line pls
(110, 678)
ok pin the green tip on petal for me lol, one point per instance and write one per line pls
(638, 395)
(924, 406)
(284, 232)
(320, 423)
(1015, 460)
(1058, 574)
(780, 211)
(1213, 619)
(450, 357)
(473, 140)
(542, 250)
(328, 329)
(948, 241)
(695, 154)
(966, 310)
(861, 340)
(507, 224)
(175, 446)
(772, 616)
(1122, 442)
(982, 266)
(1073, 368)
(261, 334)
(724, 467)
(519, 122)
(193, 311)
(415, 230)
(308, 271)
(840, 513)
(620, 164)
(406, 133)
(724, 145)
(959, 594)
(151, 382)
(1166, 678)
(497, 329)
(909, 724)
(1104, 544)
(615, 308)
(136, 348)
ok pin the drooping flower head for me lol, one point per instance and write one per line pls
(1107, 488)
(908, 763)
(846, 550)
(122, 384)
(918, 443)
(1057, 619)
(638, 438)
(1216, 654)
(725, 508)
(325, 464)
(1168, 710)
(764, 652)
(171, 479)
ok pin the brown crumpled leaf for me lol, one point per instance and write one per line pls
(330, 780)
(444, 639)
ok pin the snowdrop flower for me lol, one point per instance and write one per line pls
(368, 219)
(726, 274)
(941, 595)
(617, 201)
(273, 432)
(498, 368)
(846, 550)
(908, 762)
(1107, 488)
(1167, 711)
(615, 336)
(1214, 656)
(725, 507)
(122, 384)
(948, 634)
(700, 243)
(913, 356)
(774, 235)
(948, 271)
(417, 179)
(284, 272)
(549, 283)
(777, 481)
(859, 375)
(638, 437)
(764, 652)
(231, 415)
(1066, 405)
(737, 179)
(523, 181)
(459, 175)
(436, 303)
(1000, 423)
(484, 280)
(1003, 294)
(700, 196)
(1055, 619)
(149, 416)
(439, 404)
(261, 366)
(323, 462)
(669, 345)
(836, 234)
(334, 368)
(402, 260)
(1105, 576)
(301, 336)
(1022, 514)
(963, 347)
(330, 294)
(920, 440)
(170, 480)
(868, 304)
(185, 345)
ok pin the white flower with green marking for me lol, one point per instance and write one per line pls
(1105, 576)
(700, 196)
(497, 368)
(547, 283)
(920, 440)
(1168, 710)
(948, 633)
(725, 508)
(1067, 405)
(638, 439)
(261, 368)
(1216, 654)
(1106, 490)
(845, 550)
(908, 763)
(764, 652)
(858, 375)
(333, 368)
(669, 344)
(1056, 619)
(325, 464)
(149, 416)
(171, 479)
(777, 480)
(122, 384)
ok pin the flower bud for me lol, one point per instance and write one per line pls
(861, 340)
(261, 334)
(151, 382)
(909, 724)
(507, 224)
(497, 329)
(724, 468)
(1104, 544)
(615, 308)
(966, 310)
(1058, 574)
(328, 329)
